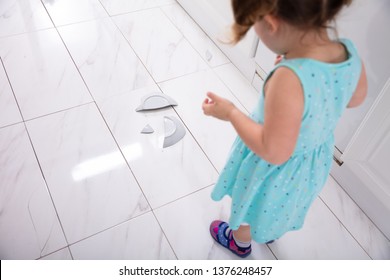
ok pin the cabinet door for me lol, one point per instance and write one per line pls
(265, 58)
(365, 173)
(363, 135)
(366, 23)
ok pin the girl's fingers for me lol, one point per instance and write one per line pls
(208, 101)
(212, 96)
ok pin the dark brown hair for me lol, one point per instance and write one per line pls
(304, 14)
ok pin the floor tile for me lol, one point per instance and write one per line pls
(9, 111)
(107, 63)
(189, 234)
(164, 174)
(164, 51)
(18, 17)
(115, 7)
(29, 227)
(214, 136)
(63, 255)
(71, 11)
(140, 238)
(322, 237)
(90, 182)
(48, 81)
(358, 224)
(239, 85)
(195, 35)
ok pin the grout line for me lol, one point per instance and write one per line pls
(36, 157)
(104, 7)
(344, 226)
(56, 251)
(272, 252)
(184, 75)
(184, 196)
(84, 21)
(122, 223)
(224, 64)
(134, 52)
(46, 183)
(231, 91)
(184, 36)
(171, 202)
(11, 124)
(166, 237)
(208, 63)
(135, 11)
(110, 228)
(178, 3)
(26, 32)
(59, 111)
(357, 205)
(12, 89)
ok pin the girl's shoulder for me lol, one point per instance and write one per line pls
(350, 47)
(301, 63)
(307, 68)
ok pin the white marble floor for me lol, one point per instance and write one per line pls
(77, 178)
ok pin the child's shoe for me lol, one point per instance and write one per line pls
(218, 232)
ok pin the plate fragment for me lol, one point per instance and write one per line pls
(147, 130)
(155, 101)
(174, 131)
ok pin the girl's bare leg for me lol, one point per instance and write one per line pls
(243, 233)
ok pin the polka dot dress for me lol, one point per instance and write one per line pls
(275, 199)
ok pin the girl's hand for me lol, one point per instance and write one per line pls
(218, 107)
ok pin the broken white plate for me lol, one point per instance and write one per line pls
(174, 131)
(155, 101)
(147, 130)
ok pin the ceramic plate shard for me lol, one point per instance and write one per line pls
(155, 101)
(174, 131)
(147, 130)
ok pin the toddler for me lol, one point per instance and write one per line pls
(282, 156)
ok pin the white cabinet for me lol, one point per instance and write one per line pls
(265, 62)
(265, 58)
(365, 173)
(363, 134)
(367, 24)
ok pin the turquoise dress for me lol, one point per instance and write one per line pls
(274, 199)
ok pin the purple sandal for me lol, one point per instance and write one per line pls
(217, 231)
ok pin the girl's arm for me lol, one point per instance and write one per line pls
(361, 90)
(275, 140)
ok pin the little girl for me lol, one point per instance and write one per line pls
(283, 155)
